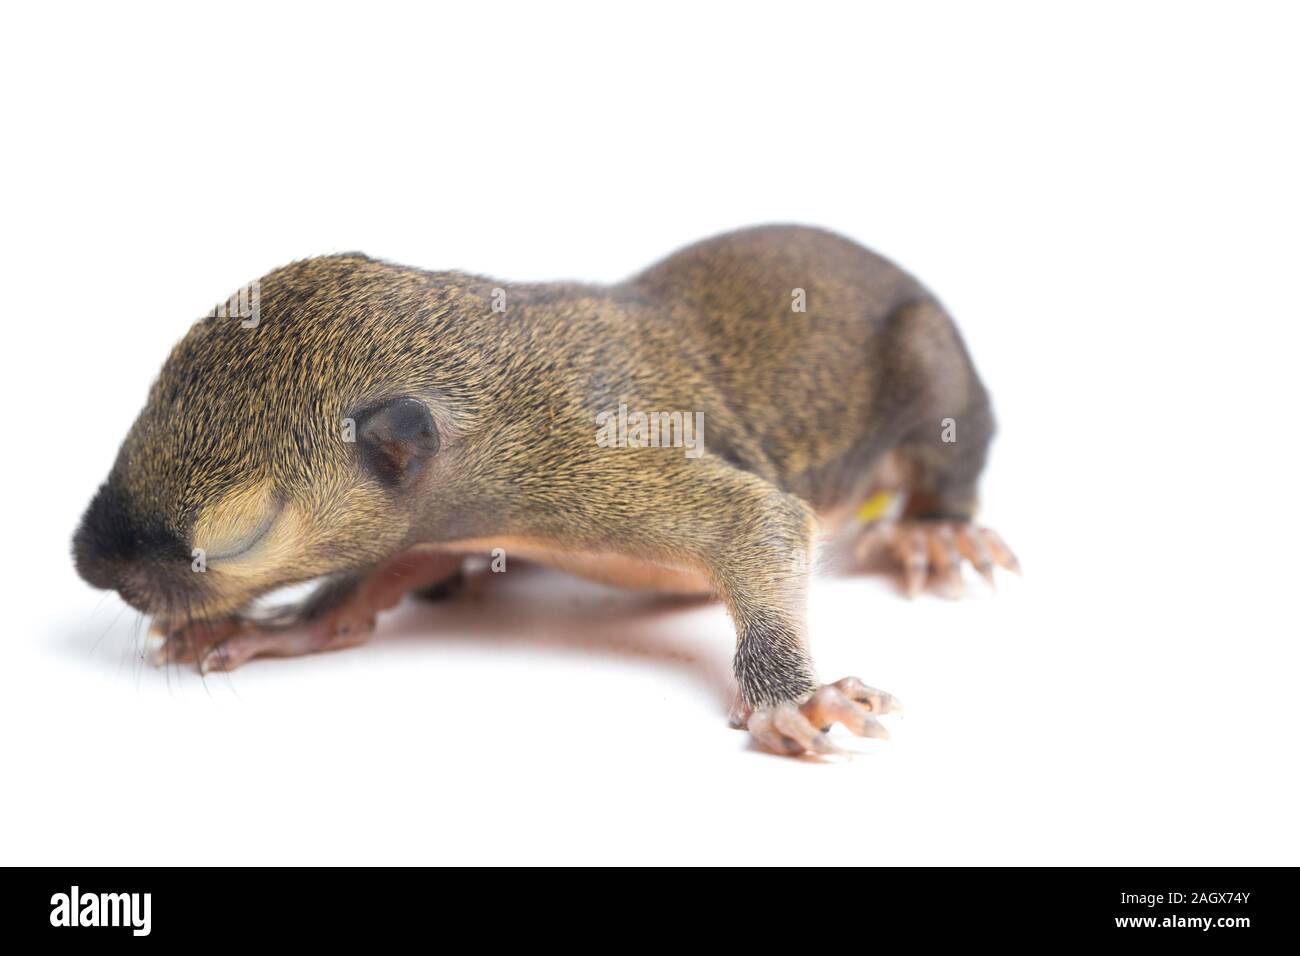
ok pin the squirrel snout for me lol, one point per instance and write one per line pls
(94, 571)
(112, 544)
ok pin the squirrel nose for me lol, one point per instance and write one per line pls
(95, 572)
(92, 546)
(110, 540)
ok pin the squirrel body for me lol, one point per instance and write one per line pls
(687, 430)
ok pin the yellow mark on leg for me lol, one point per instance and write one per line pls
(875, 507)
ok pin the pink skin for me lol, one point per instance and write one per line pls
(224, 645)
(802, 728)
(933, 551)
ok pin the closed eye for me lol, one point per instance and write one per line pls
(227, 549)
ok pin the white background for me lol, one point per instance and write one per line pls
(1104, 196)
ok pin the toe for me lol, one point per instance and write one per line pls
(945, 560)
(763, 728)
(972, 546)
(161, 648)
(999, 550)
(913, 554)
(793, 729)
(877, 701)
(224, 656)
(790, 722)
(831, 705)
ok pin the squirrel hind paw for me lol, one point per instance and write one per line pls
(931, 553)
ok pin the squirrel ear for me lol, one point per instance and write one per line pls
(396, 438)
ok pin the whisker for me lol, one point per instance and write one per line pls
(111, 624)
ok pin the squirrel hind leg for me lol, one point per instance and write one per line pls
(927, 529)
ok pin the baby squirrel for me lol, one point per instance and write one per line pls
(688, 430)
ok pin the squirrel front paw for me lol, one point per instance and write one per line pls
(795, 729)
(340, 614)
(226, 644)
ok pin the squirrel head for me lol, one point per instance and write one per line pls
(292, 433)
